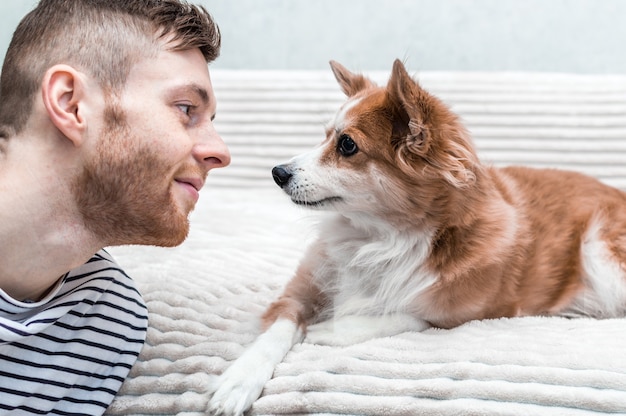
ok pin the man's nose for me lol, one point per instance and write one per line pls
(212, 152)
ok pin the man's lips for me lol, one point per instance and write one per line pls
(193, 185)
(197, 183)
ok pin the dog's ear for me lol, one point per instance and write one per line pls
(425, 128)
(410, 103)
(349, 82)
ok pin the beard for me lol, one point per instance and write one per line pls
(123, 192)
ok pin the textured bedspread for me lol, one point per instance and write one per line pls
(205, 296)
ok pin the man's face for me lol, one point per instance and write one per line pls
(153, 154)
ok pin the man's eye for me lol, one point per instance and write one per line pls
(185, 108)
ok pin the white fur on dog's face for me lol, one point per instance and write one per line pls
(324, 182)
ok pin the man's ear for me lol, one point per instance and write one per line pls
(63, 93)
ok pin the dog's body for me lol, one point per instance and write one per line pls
(423, 234)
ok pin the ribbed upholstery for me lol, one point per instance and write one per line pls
(565, 121)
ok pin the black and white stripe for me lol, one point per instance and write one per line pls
(69, 353)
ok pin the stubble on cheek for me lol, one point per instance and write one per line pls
(123, 193)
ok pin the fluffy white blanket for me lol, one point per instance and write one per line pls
(246, 239)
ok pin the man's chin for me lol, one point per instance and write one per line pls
(169, 227)
(172, 237)
(163, 234)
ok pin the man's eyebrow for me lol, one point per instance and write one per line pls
(201, 92)
(194, 89)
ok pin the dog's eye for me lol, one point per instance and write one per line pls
(346, 146)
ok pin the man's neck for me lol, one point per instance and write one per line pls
(41, 234)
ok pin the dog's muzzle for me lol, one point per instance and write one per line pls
(281, 175)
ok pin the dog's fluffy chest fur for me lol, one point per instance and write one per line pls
(369, 267)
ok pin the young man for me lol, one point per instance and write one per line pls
(106, 137)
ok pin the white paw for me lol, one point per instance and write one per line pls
(242, 383)
(238, 387)
(354, 329)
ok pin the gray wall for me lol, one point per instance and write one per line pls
(584, 36)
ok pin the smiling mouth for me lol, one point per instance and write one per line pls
(187, 184)
(319, 203)
(192, 188)
(194, 183)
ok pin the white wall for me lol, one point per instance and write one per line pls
(585, 36)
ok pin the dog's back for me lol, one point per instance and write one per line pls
(577, 251)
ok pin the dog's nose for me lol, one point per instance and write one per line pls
(281, 175)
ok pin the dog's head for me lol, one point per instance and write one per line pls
(389, 151)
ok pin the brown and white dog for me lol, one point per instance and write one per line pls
(422, 234)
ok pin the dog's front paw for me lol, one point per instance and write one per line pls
(238, 387)
(353, 329)
(242, 383)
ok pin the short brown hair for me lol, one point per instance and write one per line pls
(103, 38)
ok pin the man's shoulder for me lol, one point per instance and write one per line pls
(104, 267)
(103, 280)
(88, 333)
(100, 261)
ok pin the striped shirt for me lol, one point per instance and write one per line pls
(69, 353)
